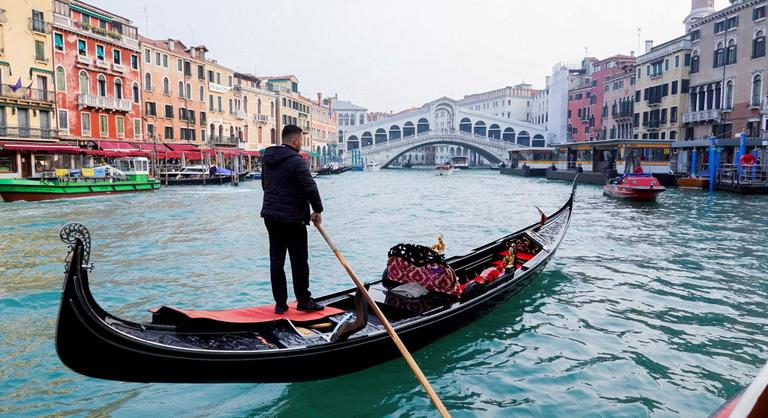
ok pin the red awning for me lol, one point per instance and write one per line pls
(183, 147)
(116, 146)
(110, 154)
(228, 151)
(252, 153)
(43, 147)
(150, 147)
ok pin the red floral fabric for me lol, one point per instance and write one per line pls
(433, 276)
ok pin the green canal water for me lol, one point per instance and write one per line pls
(646, 310)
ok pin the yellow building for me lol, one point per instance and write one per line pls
(26, 81)
(260, 108)
(661, 90)
(324, 129)
(225, 116)
(292, 107)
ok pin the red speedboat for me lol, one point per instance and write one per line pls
(641, 186)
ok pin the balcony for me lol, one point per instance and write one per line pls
(24, 132)
(100, 63)
(224, 140)
(103, 102)
(652, 125)
(712, 115)
(39, 26)
(654, 101)
(82, 59)
(238, 114)
(118, 68)
(622, 115)
(27, 94)
(261, 118)
(95, 31)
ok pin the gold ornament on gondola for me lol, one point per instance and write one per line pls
(439, 246)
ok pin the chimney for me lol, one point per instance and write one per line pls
(319, 98)
(648, 46)
(631, 53)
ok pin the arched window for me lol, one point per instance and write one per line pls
(422, 125)
(367, 139)
(61, 79)
(353, 143)
(728, 102)
(494, 131)
(166, 86)
(84, 88)
(731, 58)
(258, 105)
(465, 125)
(524, 139)
(408, 129)
(508, 135)
(695, 62)
(757, 90)
(189, 91)
(202, 94)
(480, 128)
(352, 119)
(758, 45)
(362, 119)
(394, 132)
(181, 89)
(101, 84)
(148, 82)
(135, 93)
(538, 140)
(118, 88)
(341, 137)
(381, 135)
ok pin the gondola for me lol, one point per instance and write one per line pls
(194, 347)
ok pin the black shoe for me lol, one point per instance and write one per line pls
(280, 309)
(309, 306)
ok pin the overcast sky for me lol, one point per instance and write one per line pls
(393, 54)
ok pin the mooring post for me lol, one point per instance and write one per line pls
(694, 162)
(712, 163)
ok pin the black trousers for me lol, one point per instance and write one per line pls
(291, 237)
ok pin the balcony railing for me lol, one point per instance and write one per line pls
(24, 132)
(39, 25)
(654, 100)
(714, 115)
(82, 59)
(226, 140)
(622, 115)
(25, 93)
(95, 31)
(261, 118)
(238, 114)
(103, 102)
(118, 68)
(652, 124)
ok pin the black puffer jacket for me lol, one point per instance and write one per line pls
(288, 187)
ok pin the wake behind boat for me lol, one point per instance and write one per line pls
(255, 345)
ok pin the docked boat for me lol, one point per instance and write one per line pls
(693, 182)
(131, 175)
(407, 164)
(639, 186)
(443, 170)
(372, 166)
(333, 168)
(257, 345)
(196, 175)
(459, 162)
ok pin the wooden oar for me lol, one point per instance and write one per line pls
(395, 338)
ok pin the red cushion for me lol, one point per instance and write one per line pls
(254, 315)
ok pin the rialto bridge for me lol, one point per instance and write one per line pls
(443, 121)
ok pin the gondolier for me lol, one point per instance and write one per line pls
(289, 191)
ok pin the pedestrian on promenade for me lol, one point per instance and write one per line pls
(289, 191)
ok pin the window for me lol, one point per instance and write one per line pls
(695, 35)
(210, 76)
(85, 124)
(134, 61)
(151, 130)
(158, 58)
(118, 89)
(169, 111)
(151, 108)
(732, 22)
(202, 94)
(147, 56)
(200, 72)
(687, 60)
(218, 78)
(101, 84)
(189, 91)
(137, 129)
(673, 114)
(674, 88)
(148, 82)
(38, 23)
(179, 65)
(116, 58)
(61, 79)
(181, 89)
(729, 95)
(120, 125)
(230, 81)
(165, 60)
(221, 109)
(100, 52)
(758, 45)
(202, 117)
(758, 13)
(757, 88)
(677, 61)
(58, 41)
(731, 56)
(166, 87)
(103, 126)
(169, 132)
(695, 63)
(719, 26)
(135, 93)
(84, 83)
(40, 51)
(63, 120)
(210, 106)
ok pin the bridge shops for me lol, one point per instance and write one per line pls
(601, 160)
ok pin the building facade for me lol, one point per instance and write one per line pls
(618, 105)
(511, 102)
(26, 83)
(98, 70)
(175, 93)
(348, 116)
(661, 97)
(728, 70)
(225, 117)
(324, 129)
(259, 107)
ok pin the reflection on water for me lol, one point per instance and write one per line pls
(646, 309)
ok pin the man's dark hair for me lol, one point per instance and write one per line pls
(290, 130)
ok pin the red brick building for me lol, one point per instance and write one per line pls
(97, 55)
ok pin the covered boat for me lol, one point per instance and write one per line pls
(256, 345)
(639, 186)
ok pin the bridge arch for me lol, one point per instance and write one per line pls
(394, 132)
(524, 138)
(367, 139)
(480, 128)
(381, 136)
(465, 125)
(408, 129)
(437, 141)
